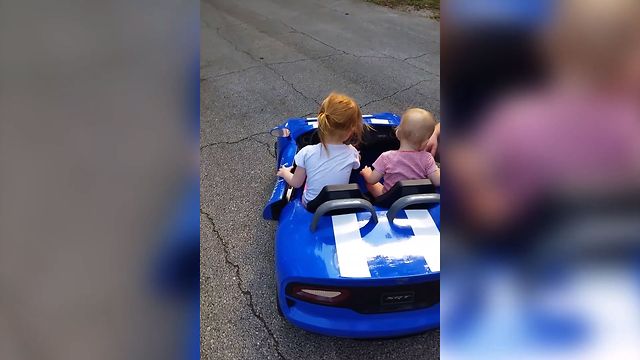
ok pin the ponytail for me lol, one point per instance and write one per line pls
(324, 128)
(339, 114)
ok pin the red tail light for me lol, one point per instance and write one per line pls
(319, 294)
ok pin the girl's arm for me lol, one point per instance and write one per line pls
(295, 179)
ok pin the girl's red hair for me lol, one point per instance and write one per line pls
(340, 115)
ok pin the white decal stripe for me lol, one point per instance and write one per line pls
(426, 230)
(350, 248)
(379, 121)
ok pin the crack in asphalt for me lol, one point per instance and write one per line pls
(269, 147)
(414, 57)
(240, 283)
(295, 30)
(393, 94)
(228, 73)
(265, 64)
(305, 59)
(246, 138)
(249, 137)
(292, 86)
(385, 56)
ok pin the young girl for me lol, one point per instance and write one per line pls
(331, 161)
(411, 161)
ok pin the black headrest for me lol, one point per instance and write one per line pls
(404, 188)
(335, 192)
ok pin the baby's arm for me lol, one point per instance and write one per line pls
(371, 176)
(435, 177)
(295, 179)
(432, 170)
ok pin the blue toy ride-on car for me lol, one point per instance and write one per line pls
(356, 267)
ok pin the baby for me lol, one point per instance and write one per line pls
(410, 161)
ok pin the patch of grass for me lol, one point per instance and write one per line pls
(431, 5)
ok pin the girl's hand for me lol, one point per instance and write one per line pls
(283, 171)
(294, 179)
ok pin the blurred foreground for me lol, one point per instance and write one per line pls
(541, 254)
(98, 139)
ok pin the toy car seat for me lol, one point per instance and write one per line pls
(405, 188)
(335, 192)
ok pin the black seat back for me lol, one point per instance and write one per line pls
(404, 188)
(335, 192)
(376, 140)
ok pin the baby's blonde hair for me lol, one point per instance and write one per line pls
(594, 37)
(338, 115)
(416, 126)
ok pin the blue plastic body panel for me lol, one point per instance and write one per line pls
(307, 257)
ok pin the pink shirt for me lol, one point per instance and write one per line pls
(397, 165)
(551, 139)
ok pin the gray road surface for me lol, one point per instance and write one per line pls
(263, 61)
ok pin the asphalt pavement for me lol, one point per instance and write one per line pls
(263, 61)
